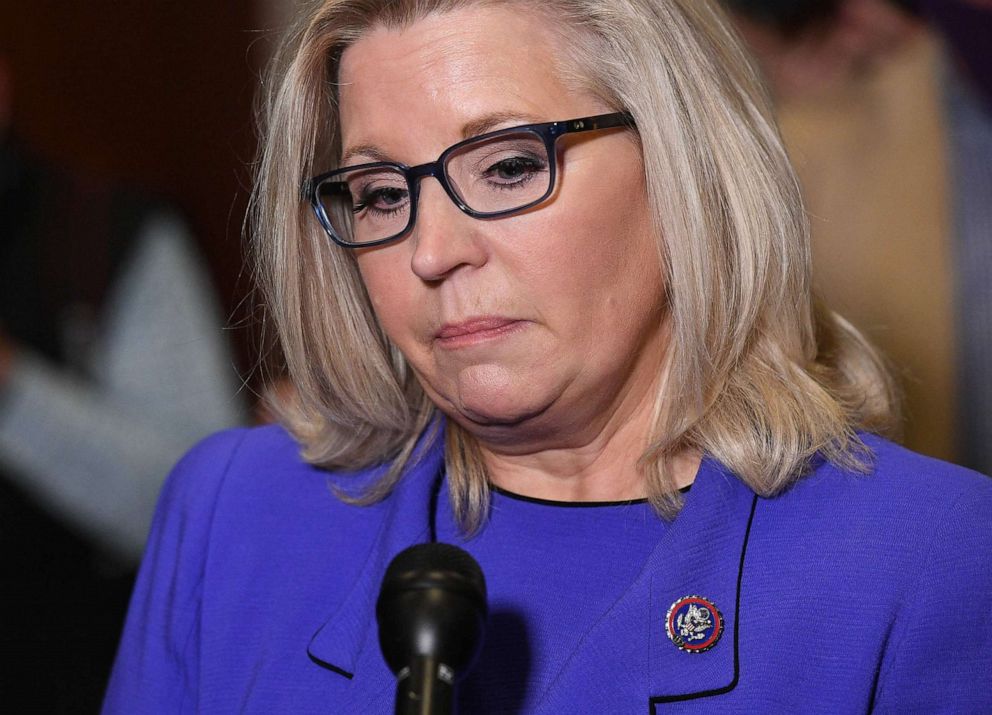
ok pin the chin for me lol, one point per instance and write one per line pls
(496, 413)
(497, 419)
(495, 392)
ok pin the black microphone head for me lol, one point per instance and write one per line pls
(432, 603)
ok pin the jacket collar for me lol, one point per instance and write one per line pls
(703, 553)
(347, 643)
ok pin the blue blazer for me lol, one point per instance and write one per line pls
(847, 594)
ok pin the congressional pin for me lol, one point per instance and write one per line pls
(694, 624)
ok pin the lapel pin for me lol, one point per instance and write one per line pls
(694, 624)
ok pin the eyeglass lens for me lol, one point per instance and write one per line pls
(490, 176)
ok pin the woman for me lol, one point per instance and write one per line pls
(580, 343)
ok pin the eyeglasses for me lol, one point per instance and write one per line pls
(492, 175)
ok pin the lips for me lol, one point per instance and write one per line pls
(475, 330)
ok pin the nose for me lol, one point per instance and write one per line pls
(444, 239)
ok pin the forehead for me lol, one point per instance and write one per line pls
(448, 69)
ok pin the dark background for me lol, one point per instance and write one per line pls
(154, 93)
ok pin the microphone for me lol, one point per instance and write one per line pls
(431, 613)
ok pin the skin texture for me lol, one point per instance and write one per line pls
(560, 400)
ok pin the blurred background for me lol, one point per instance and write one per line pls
(126, 144)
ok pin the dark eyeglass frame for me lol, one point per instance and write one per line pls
(549, 132)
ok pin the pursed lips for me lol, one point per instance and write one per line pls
(475, 330)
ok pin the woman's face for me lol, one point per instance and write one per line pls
(532, 330)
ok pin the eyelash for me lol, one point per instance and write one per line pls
(533, 165)
(364, 204)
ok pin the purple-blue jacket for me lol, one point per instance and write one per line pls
(847, 594)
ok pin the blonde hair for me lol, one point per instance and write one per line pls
(756, 374)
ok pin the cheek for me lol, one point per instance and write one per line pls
(623, 240)
(599, 258)
(382, 273)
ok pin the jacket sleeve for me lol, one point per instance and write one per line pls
(939, 658)
(157, 664)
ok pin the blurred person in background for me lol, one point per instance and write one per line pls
(112, 363)
(810, 47)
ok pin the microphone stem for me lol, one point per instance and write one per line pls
(426, 688)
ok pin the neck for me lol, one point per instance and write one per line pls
(602, 466)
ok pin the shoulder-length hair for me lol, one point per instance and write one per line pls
(757, 374)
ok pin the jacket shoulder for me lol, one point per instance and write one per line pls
(896, 467)
(236, 449)
(238, 473)
(879, 525)
(897, 484)
(938, 635)
(888, 570)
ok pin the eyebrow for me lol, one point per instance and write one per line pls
(475, 127)
(370, 151)
(489, 122)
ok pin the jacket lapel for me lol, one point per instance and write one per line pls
(347, 643)
(627, 657)
(706, 558)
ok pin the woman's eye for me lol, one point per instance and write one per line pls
(382, 199)
(513, 169)
(390, 196)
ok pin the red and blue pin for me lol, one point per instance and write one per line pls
(694, 624)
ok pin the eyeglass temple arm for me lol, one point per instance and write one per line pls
(599, 121)
(308, 186)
